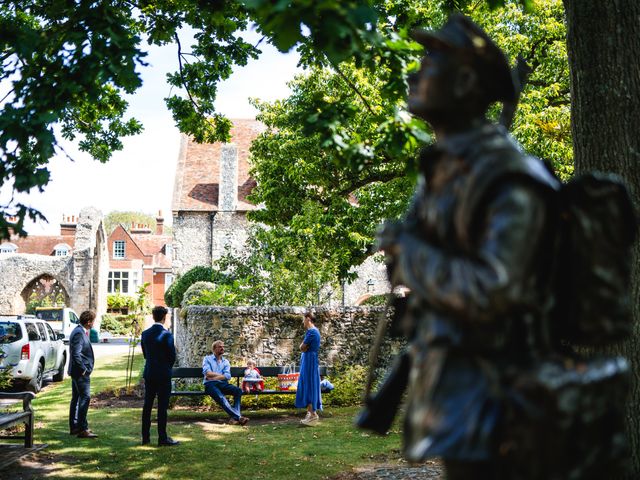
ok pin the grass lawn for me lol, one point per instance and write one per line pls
(272, 446)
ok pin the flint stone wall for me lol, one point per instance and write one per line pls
(272, 335)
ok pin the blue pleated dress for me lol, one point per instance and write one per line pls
(309, 382)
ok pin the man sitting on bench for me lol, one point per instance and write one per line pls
(217, 373)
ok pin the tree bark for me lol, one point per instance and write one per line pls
(603, 43)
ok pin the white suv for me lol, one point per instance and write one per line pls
(32, 350)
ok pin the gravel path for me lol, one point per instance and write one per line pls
(431, 470)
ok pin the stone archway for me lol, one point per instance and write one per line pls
(44, 290)
(362, 299)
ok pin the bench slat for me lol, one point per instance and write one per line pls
(8, 420)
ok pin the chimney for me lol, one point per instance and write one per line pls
(140, 229)
(228, 192)
(159, 223)
(11, 219)
(68, 225)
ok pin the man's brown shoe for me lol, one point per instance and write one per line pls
(87, 434)
(243, 421)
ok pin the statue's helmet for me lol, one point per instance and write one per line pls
(470, 45)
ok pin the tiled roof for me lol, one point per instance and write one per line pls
(41, 244)
(198, 171)
(150, 244)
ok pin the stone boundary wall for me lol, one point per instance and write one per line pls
(272, 335)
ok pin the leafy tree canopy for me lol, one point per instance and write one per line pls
(338, 156)
(65, 65)
(113, 219)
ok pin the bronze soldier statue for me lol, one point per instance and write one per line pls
(477, 250)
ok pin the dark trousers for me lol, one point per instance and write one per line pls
(160, 387)
(80, 396)
(218, 389)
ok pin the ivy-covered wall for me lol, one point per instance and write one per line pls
(272, 335)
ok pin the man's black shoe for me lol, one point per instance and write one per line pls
(75, 431)
(169, 442)
(146, 441)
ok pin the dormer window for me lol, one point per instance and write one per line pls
(168, 250)
(62, 250)
(6, 248)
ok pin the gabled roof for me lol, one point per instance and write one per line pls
(154, 245)
(198, 171)
(41, 244)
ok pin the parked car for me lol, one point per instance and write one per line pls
(61, 319)
(32, 350)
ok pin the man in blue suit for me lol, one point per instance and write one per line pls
(80, 368)
(160, 355)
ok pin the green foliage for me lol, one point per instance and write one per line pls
(136, 307)
(115, 218)
(54, 299)
(128, 325)
(118, 301)
(174, 295)
(69, 64)
(375, 301)
(274, 268)
(194, 292)
(349, 382)
(338, 156)
(6, 378)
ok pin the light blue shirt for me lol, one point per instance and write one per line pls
(211, 364)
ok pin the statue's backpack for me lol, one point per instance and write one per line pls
(592, 290)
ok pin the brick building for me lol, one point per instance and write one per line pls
(137, 257)
(134, 258)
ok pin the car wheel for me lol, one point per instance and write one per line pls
(59, 376)
(35, 385)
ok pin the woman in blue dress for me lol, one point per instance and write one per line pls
(308, 393)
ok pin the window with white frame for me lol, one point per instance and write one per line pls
(118, 282)
(118, 249)
(135, 281)
(168, 280)
(61, 250)
(8, 248)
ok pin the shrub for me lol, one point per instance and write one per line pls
(349, 383)
(175, 293)
(6, 378)
(120, 302)
(195, 291)
(121, 324)
(376, 300)
(222, 295)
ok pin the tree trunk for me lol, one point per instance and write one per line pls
(603, 42)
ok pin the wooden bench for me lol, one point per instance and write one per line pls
(237, 373)
(9, 453)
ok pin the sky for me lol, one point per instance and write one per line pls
(141, 176)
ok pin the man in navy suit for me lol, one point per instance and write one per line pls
(80, 368)
(160, 355)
